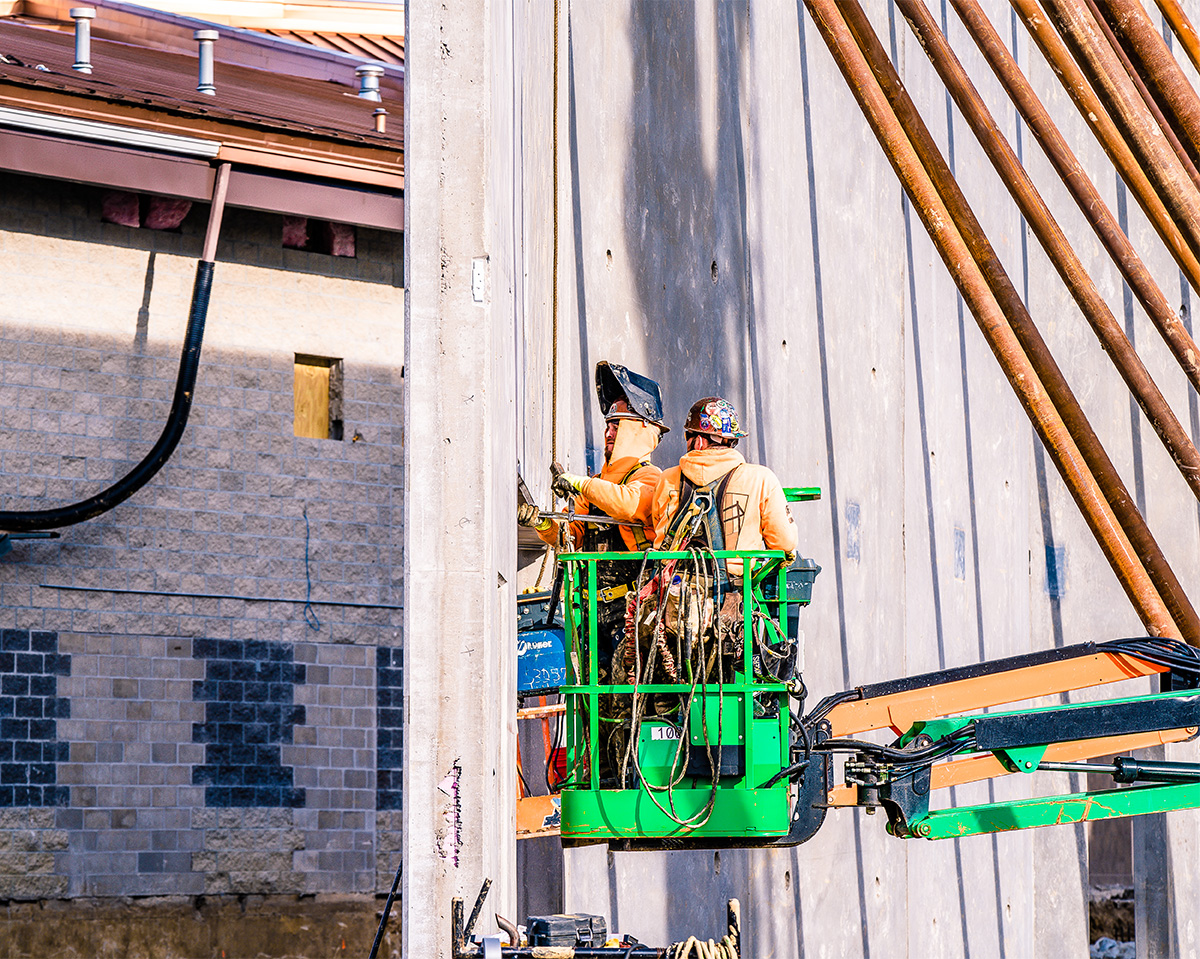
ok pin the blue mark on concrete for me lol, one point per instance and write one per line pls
(248, 687)
(853, 538)
(30, 665)
(960, 553)
(389, 726)
(1056, 571)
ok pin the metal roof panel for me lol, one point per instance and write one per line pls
(165, 81)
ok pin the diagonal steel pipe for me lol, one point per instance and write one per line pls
(1166, 83)
(1087, 197)
(968, 276)
(1096, 115)
(1112, 337)
(1017, 315)
(1182, 28)
(1099, 61)
(1167, 122)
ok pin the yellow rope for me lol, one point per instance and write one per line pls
(553, 297)
(554, 262)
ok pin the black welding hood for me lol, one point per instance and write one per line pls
(615, 382)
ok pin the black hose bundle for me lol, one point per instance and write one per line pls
(1176, 655)
(140, 475)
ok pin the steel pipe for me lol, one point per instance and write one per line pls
(968, 276)
(1161, 73)
(205, 83)
(1112, 337)
(1096, 115)
(83, 17)
(1183, 29)
(1167, 123)
(1083, 35)
(1059, 391)
(1088, 198)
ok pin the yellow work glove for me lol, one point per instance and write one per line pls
(527, 515)
(563, 483)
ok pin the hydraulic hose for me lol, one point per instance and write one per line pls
(140, 475)
(16, 521)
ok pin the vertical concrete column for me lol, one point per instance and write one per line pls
(1152, 893)
(460, 483)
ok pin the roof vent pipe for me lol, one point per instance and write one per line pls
(368, 81)
(83, 38)
(206, 38)
(380, 116)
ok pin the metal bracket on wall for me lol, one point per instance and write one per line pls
(6, 539)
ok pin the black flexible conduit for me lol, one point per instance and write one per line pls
(140, 475)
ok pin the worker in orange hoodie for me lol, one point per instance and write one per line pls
(713, 500)
(623, 490)
(715, 496)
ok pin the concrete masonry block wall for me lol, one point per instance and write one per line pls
(184, 779)
(199, 729)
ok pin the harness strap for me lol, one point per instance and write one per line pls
(699, 508)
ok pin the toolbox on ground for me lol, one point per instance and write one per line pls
(579, 929)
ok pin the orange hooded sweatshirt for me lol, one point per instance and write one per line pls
(754, 513)
(623, 489)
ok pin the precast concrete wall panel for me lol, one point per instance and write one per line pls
(731, 226)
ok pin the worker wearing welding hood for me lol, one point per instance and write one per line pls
(623, 490)
(745, 509)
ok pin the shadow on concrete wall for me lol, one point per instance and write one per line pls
(684, 221)
(687, 232)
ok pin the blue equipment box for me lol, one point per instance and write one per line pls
(541, 661)
(541, 646)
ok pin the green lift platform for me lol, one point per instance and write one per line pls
(733, 759)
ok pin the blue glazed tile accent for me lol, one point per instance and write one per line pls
(30, 665)
(389, 726)
(249, 715)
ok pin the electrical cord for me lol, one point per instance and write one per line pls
(956, 741)
(826, 705)
(15, 521)
(1176, 655)
(524, 784)
(797, 768)
(310, 614)
(689, 600)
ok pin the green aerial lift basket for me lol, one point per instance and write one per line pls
(740, 727)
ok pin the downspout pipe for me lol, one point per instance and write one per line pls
(968, 276)
(1161, 75)
(1096, 115)
(1099, 61)
(1087, 197)
(181, 405)
(1112, 337)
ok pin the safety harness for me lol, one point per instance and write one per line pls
(697, 520)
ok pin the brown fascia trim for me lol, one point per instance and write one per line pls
(140, 171)
(364, 164)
